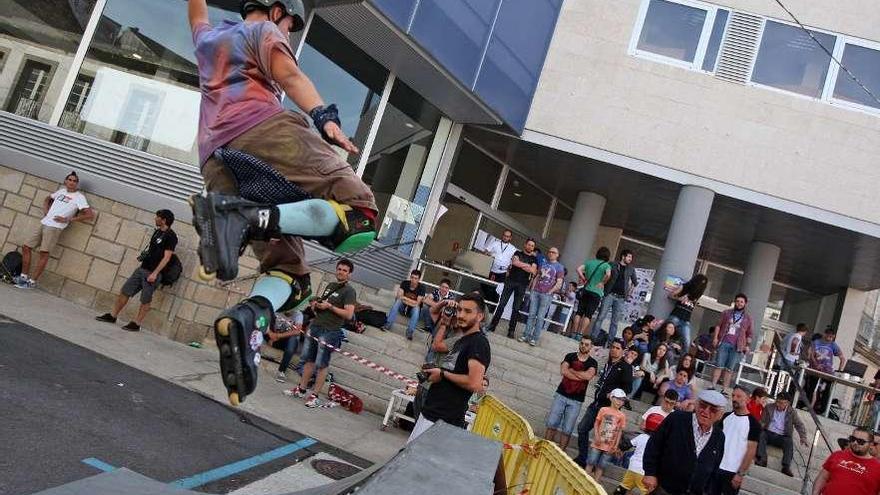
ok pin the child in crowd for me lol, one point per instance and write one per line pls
(634, 473)
(608, 429)
(757, 402)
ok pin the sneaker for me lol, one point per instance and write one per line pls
(409, 337)
(385, 327)
(295, 392)
(787, 471)
(132, 327)
(17, 279)
(107, 317)
(761, 462)
(314, 402)
(354, 231)
(521, 339)
(280, 377)
(533, 342)
(26, 284)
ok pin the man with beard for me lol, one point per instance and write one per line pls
(741, 434)
(852, 471)
(461, 373)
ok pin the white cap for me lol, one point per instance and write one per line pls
(713, 397)
(618, 394)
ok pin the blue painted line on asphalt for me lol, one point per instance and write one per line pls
(99, 464)
(243, 465)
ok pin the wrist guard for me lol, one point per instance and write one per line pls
(321, 115)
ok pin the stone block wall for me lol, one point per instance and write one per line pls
(93, 259)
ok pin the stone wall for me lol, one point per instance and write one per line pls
(93, 259)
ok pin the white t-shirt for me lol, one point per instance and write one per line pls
(654, 410)
(738, 432)
(793, 340)
(635, 462)
(65, 204)
(502, 253)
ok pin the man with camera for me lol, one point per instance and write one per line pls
(461, 372)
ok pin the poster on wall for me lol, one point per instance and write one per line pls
(636, 305)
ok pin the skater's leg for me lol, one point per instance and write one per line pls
(275, 289)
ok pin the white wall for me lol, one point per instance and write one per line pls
(593, 92)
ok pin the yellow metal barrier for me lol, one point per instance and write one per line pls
(540, 468)
(498, 422)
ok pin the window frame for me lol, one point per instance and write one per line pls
(824, 95)
(834, 71)
(705, 36)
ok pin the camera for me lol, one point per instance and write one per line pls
(450, 308)
(422, 376)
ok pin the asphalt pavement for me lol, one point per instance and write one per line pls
(67, 413)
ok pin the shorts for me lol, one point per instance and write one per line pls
(588, 303)
(137, 282)
(727, 357)
(320, 354)
(563, 414)
(44, 237)
(287, 142)
(598, 458)
(632, 480)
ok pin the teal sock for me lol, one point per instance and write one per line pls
(309, 218)
(275, 289)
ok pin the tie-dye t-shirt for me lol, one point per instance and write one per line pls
(235, 77)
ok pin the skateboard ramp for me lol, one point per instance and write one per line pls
(443, 460)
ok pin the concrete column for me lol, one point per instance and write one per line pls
(582, 231)
(682, 243)
(849, 320)
(756, 282)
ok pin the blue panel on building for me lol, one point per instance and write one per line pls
(455, 32)
(399, 11)
(515, 57)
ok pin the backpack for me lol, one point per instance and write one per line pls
(172, 271)
(11, 266)
(371, 317)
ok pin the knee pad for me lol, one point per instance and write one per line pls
(300, 289)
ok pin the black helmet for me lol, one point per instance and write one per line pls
(293, 8)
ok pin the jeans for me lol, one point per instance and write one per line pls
(636, 386)
(313, 352)
(290, 345)
(611, 303)
(396, 309)
(584, 429)
(684, 332)
(728, 357)
(563, 414)
(776, 440)
(510, 289)
(539, 306)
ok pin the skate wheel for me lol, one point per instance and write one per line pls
(205, 276)
(222, 327)
(233, 399)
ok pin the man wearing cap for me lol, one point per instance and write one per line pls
(686, 449)
(778, 424)
(741, 434)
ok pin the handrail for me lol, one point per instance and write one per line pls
(777, 343)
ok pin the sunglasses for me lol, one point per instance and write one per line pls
(860, 441)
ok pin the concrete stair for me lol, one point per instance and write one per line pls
(525, 378)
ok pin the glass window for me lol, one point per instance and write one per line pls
(396, 169)
(345, 75)
(399, 11)
(139, 84)
(712, 49)
(865, 64)
(672, 30)
(789, 59)
(39, 41)
(453, 232)
(723, 284)
(455, 32)
(475, 172)
(559, 226)
(525, 203)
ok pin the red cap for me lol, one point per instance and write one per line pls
(652, 422)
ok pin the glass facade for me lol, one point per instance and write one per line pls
(495, 47)
(37, 46)
(789, 59)
(398, 168)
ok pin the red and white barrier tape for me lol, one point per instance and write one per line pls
(354, 357)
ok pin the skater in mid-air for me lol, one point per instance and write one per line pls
(270, 179)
